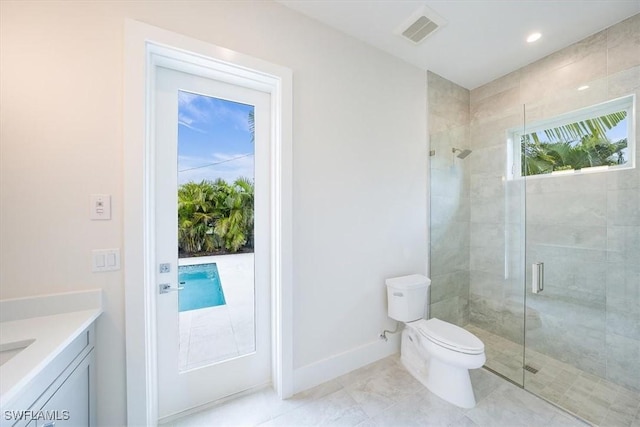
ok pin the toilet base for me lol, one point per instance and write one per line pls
(448, 382)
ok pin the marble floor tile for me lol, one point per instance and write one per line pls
(388, 386)
(385, 394)
(336, 409)
(510, 405)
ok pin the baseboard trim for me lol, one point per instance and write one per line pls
(316, 373)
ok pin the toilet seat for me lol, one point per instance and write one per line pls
(449, 336)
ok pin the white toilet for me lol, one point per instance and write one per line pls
(437, 353)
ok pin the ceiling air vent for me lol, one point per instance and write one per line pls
(420, 29)
(422, 23)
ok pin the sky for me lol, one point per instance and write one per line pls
(214, 140)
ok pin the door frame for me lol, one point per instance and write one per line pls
(147, 47)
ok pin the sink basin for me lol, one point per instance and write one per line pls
(10, 349)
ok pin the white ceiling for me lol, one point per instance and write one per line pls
(481, 41)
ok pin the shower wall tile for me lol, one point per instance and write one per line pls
(449, 285)
(452, 235)
(502, 84)
(486, 313)
(624, 323)
(453, 310)
(622, 361)
(487, 210)
(498, 106)
(446, 210)
(487, 235)
(581, 63)
(494, 132)
(486, 284)
(585, 183)
(449, 127)
(567, 99)
(443, 142)
(448, 104)
(487, 259)
(555, 303)
(565, 268)
(515, 203)
(576, 52)
(443, 91)
(450, 182)
(623, 245)
(571, 236)
(623, 207)
(623, 179)
(584, 349)
(504, 318)
(448, 259)
(624, 82)
(623, 287)
(440, 234)
(486, 186)
(570, 208)
(488, 158)
(623, 45)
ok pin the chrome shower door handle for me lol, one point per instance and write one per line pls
(537, 277)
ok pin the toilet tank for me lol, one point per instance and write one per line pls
(407, 297)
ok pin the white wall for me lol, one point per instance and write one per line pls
(360, 180)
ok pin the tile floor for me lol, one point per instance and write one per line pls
(385, 394)
(213, 334)
(592, 398)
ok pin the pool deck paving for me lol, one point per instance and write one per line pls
(213, 334)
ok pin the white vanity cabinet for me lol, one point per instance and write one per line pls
(63, 394)
(71, 403)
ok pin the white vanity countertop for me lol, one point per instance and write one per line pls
(53, 322)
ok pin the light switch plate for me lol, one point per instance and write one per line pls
(105, 260)
(100, 206)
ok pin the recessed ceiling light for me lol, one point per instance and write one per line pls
(533, 37)
(585, 87)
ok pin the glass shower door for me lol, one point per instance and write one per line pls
(582, 215)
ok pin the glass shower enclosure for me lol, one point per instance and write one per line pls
(535, 233)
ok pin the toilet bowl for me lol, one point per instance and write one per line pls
(437, 353)
(447, 352)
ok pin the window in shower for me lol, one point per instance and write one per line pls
(593, 139)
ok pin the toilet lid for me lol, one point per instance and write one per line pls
(450, 336)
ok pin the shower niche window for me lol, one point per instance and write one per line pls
(594, 139)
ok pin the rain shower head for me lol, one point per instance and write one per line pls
(463, 153)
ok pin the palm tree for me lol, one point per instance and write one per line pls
(596, 127)
(215, 216)
(252, 124)
(573, 146)
(195, 217)
(235, 228)
(246, 193)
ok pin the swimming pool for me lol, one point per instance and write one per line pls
(202, 287)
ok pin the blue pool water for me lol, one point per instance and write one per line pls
(202, 287)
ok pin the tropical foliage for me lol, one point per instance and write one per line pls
(576, 145)
(215, 216)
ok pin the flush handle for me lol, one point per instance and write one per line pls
(398, 294)
(537, 277)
